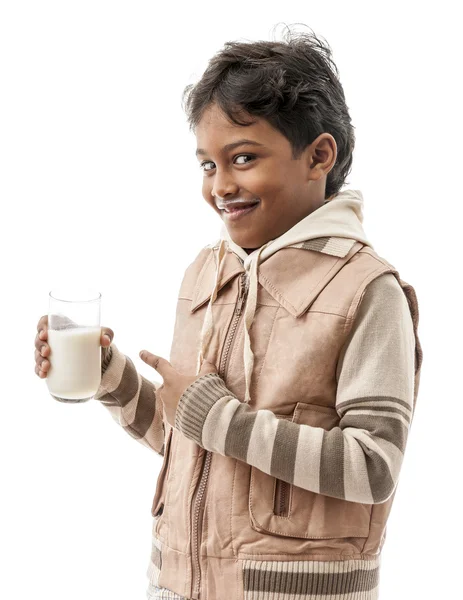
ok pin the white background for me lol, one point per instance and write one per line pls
(99, 186)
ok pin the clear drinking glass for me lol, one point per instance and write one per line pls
(74, 334)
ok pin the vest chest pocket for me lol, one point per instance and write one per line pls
(161, 486)
(279, 508)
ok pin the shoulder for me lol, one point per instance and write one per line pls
(382, 331)
(385, 294)
(383, 312)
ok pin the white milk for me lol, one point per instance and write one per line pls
(75, 362)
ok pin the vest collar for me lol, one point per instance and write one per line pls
(293, 275)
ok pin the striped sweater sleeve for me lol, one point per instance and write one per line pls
(131, 399)
(360, 459)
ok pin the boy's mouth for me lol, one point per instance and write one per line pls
(238, 211)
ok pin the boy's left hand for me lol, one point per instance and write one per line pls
(174, 382)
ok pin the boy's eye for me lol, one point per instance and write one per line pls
(205, 162)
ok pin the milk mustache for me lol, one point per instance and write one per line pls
(75, 362)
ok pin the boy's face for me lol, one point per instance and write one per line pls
(287, 189)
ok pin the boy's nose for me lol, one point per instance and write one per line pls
(224, 185)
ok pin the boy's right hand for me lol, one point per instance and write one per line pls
(42, 349)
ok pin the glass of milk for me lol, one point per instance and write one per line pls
(74, 334)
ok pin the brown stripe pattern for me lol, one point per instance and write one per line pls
(360, 459)
(131, 400)
(336, 246)
(350, 579)
(307, 580)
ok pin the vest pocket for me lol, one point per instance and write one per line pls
(280, 508)
(161, 486)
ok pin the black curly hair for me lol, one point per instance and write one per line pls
(293, 84)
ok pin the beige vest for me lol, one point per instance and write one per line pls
(212, 511)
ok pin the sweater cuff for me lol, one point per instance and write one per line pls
(196, 402)
(113, 363)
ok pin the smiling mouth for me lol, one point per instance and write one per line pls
(240, 206)
(233, 214)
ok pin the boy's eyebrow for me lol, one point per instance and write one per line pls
(231, 146)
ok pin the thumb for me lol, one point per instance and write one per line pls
(162, 365)
(207, 367)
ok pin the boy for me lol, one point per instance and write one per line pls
(294, 371)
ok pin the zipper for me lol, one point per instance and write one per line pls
(282, 491)
(231, 335)
(198, 501)
(281, 498)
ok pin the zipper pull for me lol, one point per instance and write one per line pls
(239, 306)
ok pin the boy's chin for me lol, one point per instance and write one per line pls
(247, 245)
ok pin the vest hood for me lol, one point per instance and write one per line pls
(333, 229)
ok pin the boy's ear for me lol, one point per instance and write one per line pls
(322, 154)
